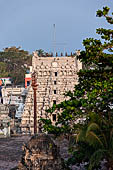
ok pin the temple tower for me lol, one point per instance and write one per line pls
(55, 76)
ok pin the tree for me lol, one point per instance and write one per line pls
(14, 63)
(3, 72)
(91, 101)
(42, 53)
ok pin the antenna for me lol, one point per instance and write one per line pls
(54, 39)
(57, 44)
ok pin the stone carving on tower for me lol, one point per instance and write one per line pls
(55, 76)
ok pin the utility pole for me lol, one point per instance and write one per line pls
(34, 86)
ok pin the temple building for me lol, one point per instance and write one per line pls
(55, 76)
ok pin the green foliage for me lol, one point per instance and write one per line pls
(3, 72)
(14, 62)
(42, 53)
(80, 152)
(96, 158)
(105, 13)
(88, 112)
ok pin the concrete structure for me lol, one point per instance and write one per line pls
(12, 95)
(14, 98)
(28, 77)
(55, 76)
(4, 121)
(5, 81)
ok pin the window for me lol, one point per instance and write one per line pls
(54, 91)
(54, 117)
(2, 100)
(55, 82)
(54, 101)
(55, 73)
(28, 83)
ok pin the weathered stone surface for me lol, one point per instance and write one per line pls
(41, 154)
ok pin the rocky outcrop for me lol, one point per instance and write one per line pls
(41, 154)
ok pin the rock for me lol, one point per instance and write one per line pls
(41, 154)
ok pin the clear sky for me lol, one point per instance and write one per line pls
(29, 23)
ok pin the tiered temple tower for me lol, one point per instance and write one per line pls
(55, 76)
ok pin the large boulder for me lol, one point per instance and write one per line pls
(41, 153)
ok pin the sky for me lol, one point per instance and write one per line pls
(29, 23)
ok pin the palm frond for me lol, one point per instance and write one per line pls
(92, 127)
(93, 139)
(81, 135)
(96, 158)
(111, 134)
